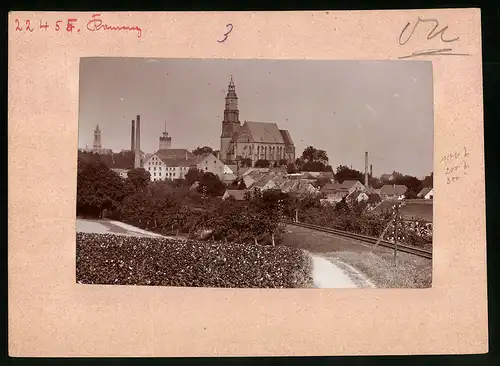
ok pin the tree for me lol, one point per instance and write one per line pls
(89, 157)
(411, 194)
(313, 166)
(282, 162)
(98, 188)
(203, 150)
(193, 175)
(328, 168)
(246, 162)
(311, 154)
(428, 181)
(211, 183)
(124, 160)
(412, 183)
(262, 163)
(290, 169)
(342, 207)
(138, 178)
(299, 163)
(345, 173)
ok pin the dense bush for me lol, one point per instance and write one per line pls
(115, 259)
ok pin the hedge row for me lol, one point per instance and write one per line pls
(240, 222)
(128, 260)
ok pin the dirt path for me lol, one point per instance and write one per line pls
(111, 227)
(330, 273)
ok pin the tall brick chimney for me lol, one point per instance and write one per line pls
(366, 169)
(132, 137)
(137, 162)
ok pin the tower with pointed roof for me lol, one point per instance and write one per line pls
(97, 138)
(252, 141)
(165, 140)
(231, 122)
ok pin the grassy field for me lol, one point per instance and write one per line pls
(410, 272)
(376, 264)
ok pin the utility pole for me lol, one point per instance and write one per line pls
(396, 224)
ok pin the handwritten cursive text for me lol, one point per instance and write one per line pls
(433, 33)
(96, 24)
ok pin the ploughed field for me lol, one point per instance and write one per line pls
(110, 259)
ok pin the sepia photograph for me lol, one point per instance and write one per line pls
(239, 173)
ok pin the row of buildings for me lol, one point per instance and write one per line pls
(333, 192)
(249, 141)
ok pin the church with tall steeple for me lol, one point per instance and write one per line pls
(251, 140)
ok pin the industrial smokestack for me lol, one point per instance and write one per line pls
(366, 169)
(132, 137)
(371, 171)
(138, 143)
(138, 133)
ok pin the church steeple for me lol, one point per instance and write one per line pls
(231, 86)
(231, 113)
(231, 122)
(97, 138)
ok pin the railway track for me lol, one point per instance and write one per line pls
(365, 239)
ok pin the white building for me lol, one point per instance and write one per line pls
(123, 173)
(175, 163)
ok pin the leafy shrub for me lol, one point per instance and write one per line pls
(122, 260)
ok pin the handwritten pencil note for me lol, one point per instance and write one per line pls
(429, 28)
(456, 165)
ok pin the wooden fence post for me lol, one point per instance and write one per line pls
(396, 223)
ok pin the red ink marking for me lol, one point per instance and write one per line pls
(44, 26)
(70, 26)
(78, 29)
(18, 28)
(28, 26)
(96, 24)
(57, 25)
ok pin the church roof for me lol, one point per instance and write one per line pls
(286, 137)
(263, 132)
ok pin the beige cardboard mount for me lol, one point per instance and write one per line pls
(50, 315)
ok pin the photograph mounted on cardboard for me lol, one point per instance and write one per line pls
(255, 173)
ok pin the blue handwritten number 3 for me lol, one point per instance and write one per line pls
(230, 26)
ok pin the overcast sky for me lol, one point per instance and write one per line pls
(343, 107)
